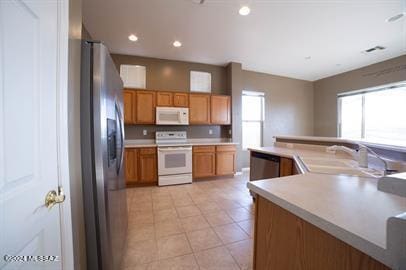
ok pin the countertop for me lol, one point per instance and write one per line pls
(192, 142)
(350, 208)
(397, 148)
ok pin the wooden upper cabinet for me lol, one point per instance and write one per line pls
(129, 106)
(164, 99)
(181, 99)
(199, 109)
(145, 107)
(220, 108)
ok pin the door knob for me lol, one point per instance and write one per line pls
(54, 197)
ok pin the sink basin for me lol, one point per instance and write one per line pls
(345, 170)
(330, 162)
(338, 166)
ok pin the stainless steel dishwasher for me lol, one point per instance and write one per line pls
(264, 166)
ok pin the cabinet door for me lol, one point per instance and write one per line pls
(286, 167)
(225, 160)
(129, 106)
(181, 100)
(145, 107)
(220, 110)
(164, 99)
(199, 109)
(204, 164)
(131, 166)
(148, 172)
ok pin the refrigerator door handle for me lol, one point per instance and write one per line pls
(120, 118)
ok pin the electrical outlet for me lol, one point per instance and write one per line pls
(144, 132)
(210, 132)
(229, 131)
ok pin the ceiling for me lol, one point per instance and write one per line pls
(276, 37)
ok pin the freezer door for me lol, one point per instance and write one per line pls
(109, 134)
(102, 159)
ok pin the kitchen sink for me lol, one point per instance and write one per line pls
(330, 162)
(339, 166)
(345, 170)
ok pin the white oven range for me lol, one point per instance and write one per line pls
(174, 158)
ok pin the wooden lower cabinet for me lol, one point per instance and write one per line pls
(285, 241)
(131, 166)
(286, 167)
(225, 160)
(204, 161)
(148, 168)
(209, 161)
(141, 166)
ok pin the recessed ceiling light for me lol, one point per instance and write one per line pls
(244, 11)
(177, 44)
(132, 37)
(396, 17)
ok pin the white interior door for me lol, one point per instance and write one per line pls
(28, 133)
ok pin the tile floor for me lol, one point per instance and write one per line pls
(204, 225)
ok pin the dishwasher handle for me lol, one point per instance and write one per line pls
(266, 156)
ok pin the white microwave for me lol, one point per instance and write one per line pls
(172, 116)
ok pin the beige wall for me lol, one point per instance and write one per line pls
(288, 105)
(326, 90)
(174, 75)
(235, 80)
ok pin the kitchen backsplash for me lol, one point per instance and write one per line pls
(134, 132)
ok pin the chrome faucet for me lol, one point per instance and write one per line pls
(385, 163)
(362, 156)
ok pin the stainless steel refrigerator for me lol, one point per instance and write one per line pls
(102, 143)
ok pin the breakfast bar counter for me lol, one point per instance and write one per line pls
(349, 213)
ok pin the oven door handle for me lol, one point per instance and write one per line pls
(173, 149)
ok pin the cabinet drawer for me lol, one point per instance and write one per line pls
(204, 149)
(225, 148)
(147, 151)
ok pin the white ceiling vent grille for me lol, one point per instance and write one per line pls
(133, 76)
(376, 48)
(201, 2)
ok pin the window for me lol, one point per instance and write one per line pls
(252, 118)
(375, 115)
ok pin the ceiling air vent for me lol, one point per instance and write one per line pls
(379, 48)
